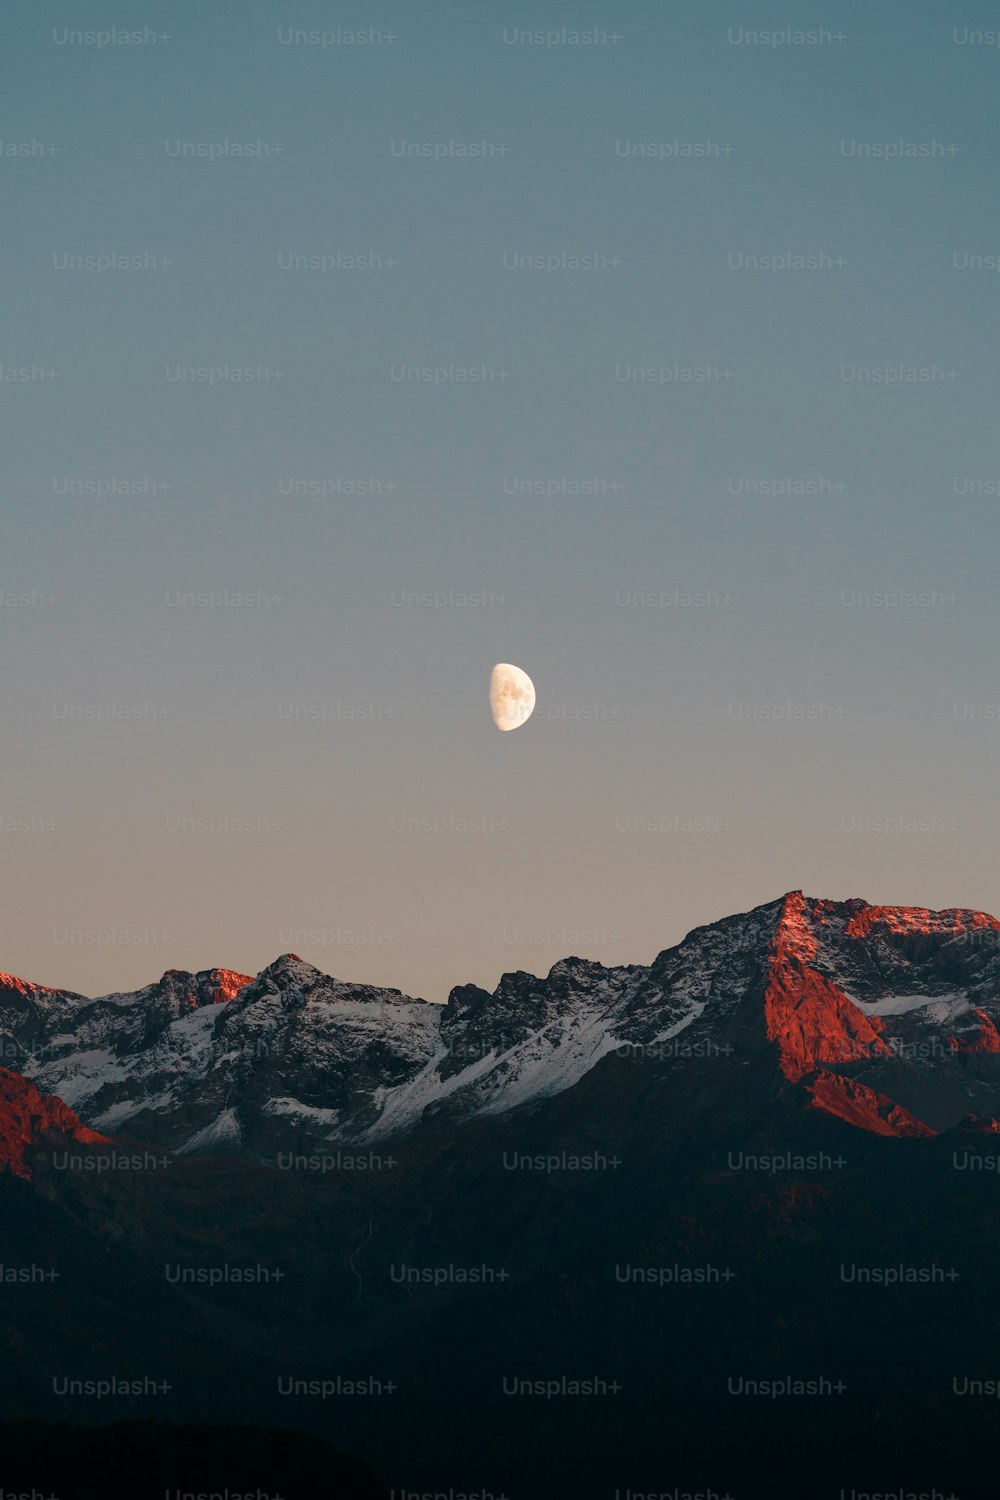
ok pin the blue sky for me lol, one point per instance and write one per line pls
(687, 758)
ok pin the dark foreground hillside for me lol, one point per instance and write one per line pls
(150, 1460)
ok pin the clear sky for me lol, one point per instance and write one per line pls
(740, 690)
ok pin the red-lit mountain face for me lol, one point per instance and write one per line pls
(882, 1011)
(887, 1018)
(30, 1121)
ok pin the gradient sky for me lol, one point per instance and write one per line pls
(643, 712)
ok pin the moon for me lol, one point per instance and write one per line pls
(512, 696)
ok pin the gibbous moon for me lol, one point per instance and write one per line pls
(512, 696)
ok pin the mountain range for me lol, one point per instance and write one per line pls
(888, 1017)
(270, 1192)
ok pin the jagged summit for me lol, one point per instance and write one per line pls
(289, 971)
(218, 985)
(857, 918)
(11, 983)
(293, 976)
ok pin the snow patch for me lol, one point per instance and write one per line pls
(223, 1134)
(297, 1110)
(549, 1062)
(944, 1006)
